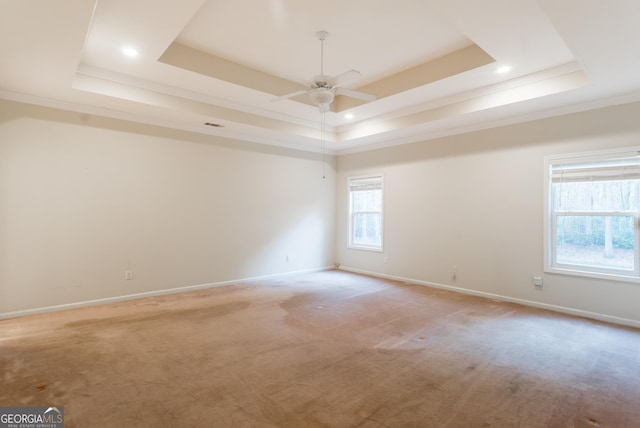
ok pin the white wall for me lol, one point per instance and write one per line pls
(476, 201)
(84, 198)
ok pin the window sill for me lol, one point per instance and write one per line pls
(595, 275)
(365, 248)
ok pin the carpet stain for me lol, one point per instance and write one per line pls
(162, 315)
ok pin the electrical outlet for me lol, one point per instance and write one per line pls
(128, 274)
(537, 281)
(454, 273)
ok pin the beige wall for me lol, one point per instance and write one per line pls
(476, 201)
(84, 198)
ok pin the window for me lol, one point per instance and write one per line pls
(365, 212)
(592, 224)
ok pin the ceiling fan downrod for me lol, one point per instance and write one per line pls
(322, 35)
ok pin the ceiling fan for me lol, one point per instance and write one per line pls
(323, 89)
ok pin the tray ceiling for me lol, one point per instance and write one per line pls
(433, 65)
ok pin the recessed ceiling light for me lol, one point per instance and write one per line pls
(504, 69)
(129, 51)
(348, 116)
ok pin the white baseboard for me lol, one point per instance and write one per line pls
(561, 309)
(35, 311)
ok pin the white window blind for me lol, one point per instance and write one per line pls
(625, 166)
(366, 183)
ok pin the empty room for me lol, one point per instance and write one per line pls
(284, 213)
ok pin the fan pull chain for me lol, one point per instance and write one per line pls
(322, 144)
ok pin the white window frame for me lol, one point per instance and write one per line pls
(550, 219)
(351, 244)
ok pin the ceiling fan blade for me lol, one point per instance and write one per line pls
(354, 94)
(344, 77)
(291, 95)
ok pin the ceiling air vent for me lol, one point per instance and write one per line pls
(215, 125)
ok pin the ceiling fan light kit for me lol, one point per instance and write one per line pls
(322, 98)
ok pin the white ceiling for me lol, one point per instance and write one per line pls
(431, 63)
